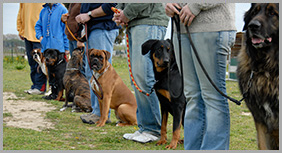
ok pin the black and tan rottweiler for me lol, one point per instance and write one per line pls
(258, 71)
(76, 85)
(168, 85)
(56, 65)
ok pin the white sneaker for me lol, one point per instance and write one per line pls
(145, 138)
(129, 136)
(49, 92)
(27, 91)
(35, 92)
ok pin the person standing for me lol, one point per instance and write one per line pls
(50, 30)
(69, 18)
(213, 31)
(145, 21)
(102, 34)
(27, 16)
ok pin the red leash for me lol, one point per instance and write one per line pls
(128, 57)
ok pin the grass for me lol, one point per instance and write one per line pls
(70, 133)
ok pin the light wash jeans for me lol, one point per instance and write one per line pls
(207, 118)
(72, 45)
(103, 40)
(148, 110)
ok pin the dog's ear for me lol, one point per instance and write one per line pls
(168, 40)
(147, 46)
(248, 17)
(45, 51)
(59, 54)
(108, 54)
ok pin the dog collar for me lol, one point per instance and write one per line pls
(59, 62)
(72, 69)
(98, 75)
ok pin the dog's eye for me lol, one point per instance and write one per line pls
(271, 13)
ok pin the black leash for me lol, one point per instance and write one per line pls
(177, 22)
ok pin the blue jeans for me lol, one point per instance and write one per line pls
(72, 45)
(103, 40)
(207, 118)
(148, 110)
(38, 78)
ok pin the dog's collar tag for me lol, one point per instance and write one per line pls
(72, 69)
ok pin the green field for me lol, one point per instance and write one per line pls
(70, 133)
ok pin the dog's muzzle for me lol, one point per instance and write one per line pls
(258, 41)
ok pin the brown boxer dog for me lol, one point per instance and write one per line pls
(77, 88)
(112, 90)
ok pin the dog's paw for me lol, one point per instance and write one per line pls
(63, 109)
(161, 142)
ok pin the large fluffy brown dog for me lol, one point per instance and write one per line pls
(76, 85)
(258, 71)
(115, 94)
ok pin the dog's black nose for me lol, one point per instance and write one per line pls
(254, 25)
(47, 59)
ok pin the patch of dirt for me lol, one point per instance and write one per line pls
(26, 114)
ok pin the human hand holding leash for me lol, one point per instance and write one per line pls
(64, 17)
(171, 9)
(82, 18)
(120, 19)
(186, 16)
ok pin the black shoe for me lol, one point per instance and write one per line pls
(50, 97)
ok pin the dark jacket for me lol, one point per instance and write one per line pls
(104, 22)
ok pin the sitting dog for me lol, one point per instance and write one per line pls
(56, 65)
(114, 93)
(258, 71)
(76, 85)
(167, 87)
(40, 59)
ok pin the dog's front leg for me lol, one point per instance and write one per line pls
(104, 109)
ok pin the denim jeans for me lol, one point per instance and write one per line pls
(207, 118)
(72, 45)
(103, 40)
(148, 110)
(38, 78)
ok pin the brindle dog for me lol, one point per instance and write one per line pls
(76, 85)
(258, 71)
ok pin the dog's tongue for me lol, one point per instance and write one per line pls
(257, 40)
(269, 39)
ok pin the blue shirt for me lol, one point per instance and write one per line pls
(103, 22)
(51, 28)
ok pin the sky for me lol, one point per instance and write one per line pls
(10, 11)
